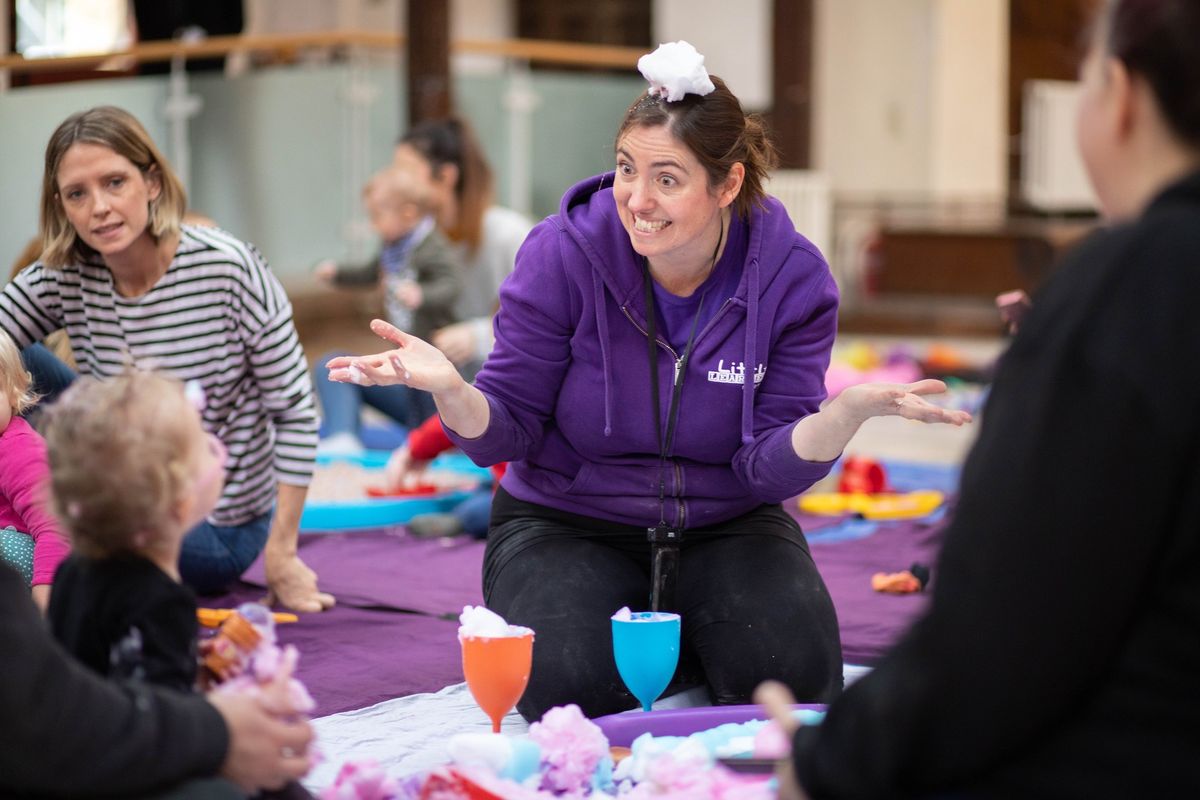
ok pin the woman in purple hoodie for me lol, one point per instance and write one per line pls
(656, 386)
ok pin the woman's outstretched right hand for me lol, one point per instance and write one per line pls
(414, 362)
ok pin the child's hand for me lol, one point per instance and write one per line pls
(409, 294)
(1013, 306)
(777, 700)
(326, 270)
(400, 467)
(41, 596)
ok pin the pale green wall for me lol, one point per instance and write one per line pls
(268, 149)
(28, 117)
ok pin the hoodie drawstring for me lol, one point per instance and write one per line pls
(602, 329)
(751, 354)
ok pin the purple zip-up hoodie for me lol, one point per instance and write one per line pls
(568, 381)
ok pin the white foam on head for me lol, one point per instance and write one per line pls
(623, 615)
(675, 69)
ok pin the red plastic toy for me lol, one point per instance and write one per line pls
(417, 490)
(862, 475)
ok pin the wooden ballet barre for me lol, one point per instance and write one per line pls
(563, 53)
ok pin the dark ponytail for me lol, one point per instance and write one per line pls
(451, 141)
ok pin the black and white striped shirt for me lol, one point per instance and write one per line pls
(217, 316)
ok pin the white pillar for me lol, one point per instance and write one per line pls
(520, 101)
(179, 108)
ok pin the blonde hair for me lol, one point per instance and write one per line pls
(15, 380)
(119, 131)
(399, 186)
(119, 458)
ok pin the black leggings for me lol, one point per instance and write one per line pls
(752, 604)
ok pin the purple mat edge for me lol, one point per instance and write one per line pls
(621, 729)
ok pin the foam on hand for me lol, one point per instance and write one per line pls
(480, 622)
(675, 69)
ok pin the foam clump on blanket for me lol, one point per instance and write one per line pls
(573, 761)
(567, 756)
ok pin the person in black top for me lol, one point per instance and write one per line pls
(1060, 653)
(132, 471)
(65, 732)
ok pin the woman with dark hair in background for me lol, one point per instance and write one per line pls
(487, 235)
(659, 368)
(1060, 653)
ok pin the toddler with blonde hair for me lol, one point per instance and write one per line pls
(133, 471)
(30, 539)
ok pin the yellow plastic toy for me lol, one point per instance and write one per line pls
(213, 617)
(885, 506)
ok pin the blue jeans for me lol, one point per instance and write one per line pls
(475, 513)
(50, 375)
(214, 556)
(341, 403)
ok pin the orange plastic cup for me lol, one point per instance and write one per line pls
(497, 671)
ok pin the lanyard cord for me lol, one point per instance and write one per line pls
(665, 442)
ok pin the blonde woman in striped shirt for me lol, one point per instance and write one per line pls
(132, 285)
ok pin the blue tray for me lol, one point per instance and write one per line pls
(371, 512)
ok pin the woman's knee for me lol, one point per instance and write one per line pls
(737, 656)
(759, 611)
(213, 557)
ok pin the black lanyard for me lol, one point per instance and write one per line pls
(666, 441)
(664, 539)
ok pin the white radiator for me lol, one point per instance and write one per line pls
(809, 202)
(1052, 173)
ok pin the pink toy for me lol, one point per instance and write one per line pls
(244, 656)
(361, 780)
(572, 748)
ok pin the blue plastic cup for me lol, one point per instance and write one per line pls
(646, 649)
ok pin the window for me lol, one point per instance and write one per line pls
(48, 28)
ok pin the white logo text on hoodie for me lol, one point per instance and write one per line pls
(734, 373)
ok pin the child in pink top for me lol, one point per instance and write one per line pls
(30, 537)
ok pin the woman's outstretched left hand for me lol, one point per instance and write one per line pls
(900, 399)
(414, 362)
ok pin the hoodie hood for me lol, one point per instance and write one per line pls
(589, 215)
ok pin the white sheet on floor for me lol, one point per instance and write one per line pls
(409, 734)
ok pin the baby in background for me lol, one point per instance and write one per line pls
(132, 472)
(421, 277)
(30, 538)
(419, 272)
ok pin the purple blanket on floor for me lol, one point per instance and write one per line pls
(390, 569)
(372, 648)
(871, 621)
(355, 657)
